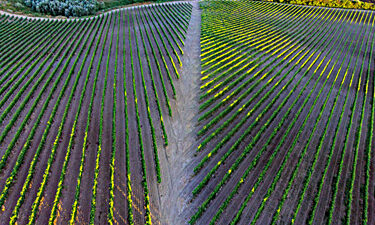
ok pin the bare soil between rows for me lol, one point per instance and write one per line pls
(177, 160)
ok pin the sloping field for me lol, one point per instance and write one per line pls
(82, 104)
(96, 127)
(286, 115)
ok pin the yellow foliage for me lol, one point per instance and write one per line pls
(356, 4)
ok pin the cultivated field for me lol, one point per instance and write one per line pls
(112, 119)
(287, 115)
(82, 104)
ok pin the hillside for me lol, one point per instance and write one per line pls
(189, 112)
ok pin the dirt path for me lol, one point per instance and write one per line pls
(178, 155)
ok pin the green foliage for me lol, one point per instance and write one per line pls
(51, 159)
(139, 129)
(155, 90)
(146, 97)
(72, 134)
(159, 49)
(127, 154)
(113, 155)
(78, 187)
(32, 168)
(100, 141)
(21, 156)
(64, 7)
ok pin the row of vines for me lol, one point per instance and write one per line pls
(82, 107)
(286, 115)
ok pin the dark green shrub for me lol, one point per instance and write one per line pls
(64, 7)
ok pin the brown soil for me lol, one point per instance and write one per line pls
(177, 160)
